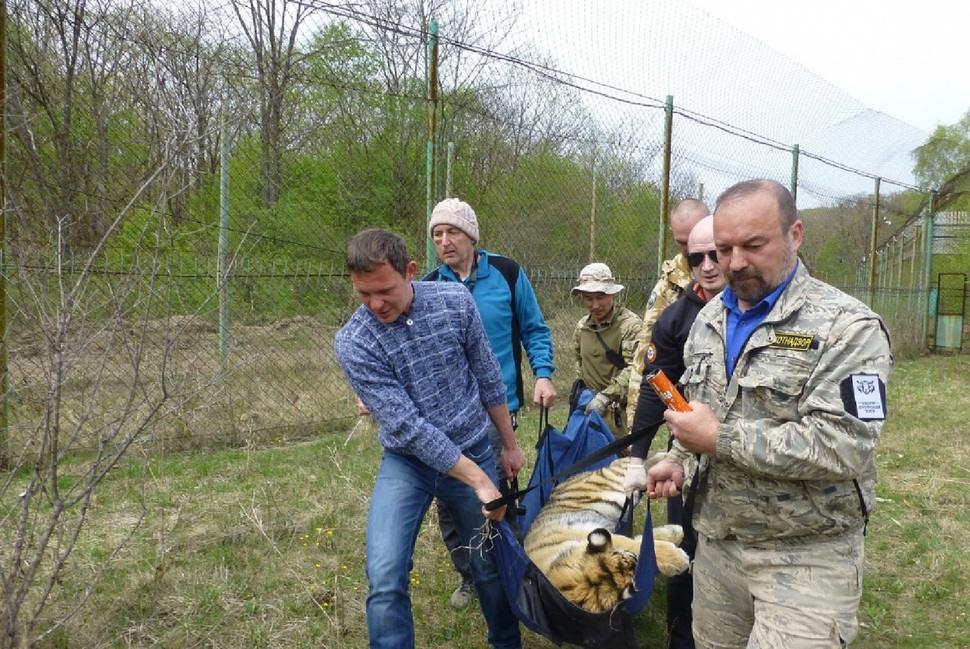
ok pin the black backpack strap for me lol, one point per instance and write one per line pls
(611, 355)
(510, 271)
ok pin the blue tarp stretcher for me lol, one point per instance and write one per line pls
(586, 444)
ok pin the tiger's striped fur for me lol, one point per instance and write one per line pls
(571, 543)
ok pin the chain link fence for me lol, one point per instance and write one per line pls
(181, 182)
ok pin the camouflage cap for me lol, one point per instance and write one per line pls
(596, 278)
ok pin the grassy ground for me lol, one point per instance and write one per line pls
(263, 547)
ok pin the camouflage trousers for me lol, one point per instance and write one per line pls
(801, 596)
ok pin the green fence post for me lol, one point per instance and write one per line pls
(592, 219)
(665, 191)
(873, 232)
(4, 440)
(432, 114)
(449, 162)
(928, 261)
(222, 282)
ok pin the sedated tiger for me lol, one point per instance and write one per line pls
(570, 541)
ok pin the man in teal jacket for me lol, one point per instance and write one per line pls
(513, 321)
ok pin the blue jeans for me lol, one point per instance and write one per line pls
(403, 492)
(457, 550)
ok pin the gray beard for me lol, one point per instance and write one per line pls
(752, 293)
(748, 292)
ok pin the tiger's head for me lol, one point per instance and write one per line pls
(597, 577)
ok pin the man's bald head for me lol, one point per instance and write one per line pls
(702, 236)
(683, 218)
(702, 257)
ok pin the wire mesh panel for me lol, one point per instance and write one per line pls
(182, 180)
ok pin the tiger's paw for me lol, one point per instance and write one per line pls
(671, 560)
(670, 533)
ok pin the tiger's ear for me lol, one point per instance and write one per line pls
(599, 541)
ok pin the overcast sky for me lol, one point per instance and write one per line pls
(906, 59)
(858, 82)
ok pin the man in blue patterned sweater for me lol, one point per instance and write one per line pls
(417, 356)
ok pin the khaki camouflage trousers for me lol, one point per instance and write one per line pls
(805, 596)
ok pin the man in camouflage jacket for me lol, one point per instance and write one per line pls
(786, 378)
(674, 278)
(604, 341)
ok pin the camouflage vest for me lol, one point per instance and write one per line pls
(676, 276)
(791, 462)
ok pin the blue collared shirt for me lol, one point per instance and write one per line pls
(740, 325)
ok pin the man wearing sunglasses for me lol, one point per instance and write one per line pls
(674, 278)
(666, 352)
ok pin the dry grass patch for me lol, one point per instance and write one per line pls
(264, 547)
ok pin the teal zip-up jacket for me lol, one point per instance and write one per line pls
(512, 318)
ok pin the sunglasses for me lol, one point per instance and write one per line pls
(697, 258)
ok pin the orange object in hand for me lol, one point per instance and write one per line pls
(667, 391)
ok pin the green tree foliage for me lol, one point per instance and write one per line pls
(837, 240)
(341, 112)
(529, 153)
(71, 118)
(943, 165)
(108, 104)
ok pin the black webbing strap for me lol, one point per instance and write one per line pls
(544, 429)
(688, 513)
(611, 355)
(592, 458)
(862, 503)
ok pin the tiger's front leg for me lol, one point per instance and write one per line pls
(671, 560)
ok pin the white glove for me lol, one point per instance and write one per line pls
(635, 478)
(598, 403)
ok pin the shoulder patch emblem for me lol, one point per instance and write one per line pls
(653, 298)
(796, 342)
(864, 396)
(651, 354)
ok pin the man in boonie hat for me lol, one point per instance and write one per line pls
(604, 342)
